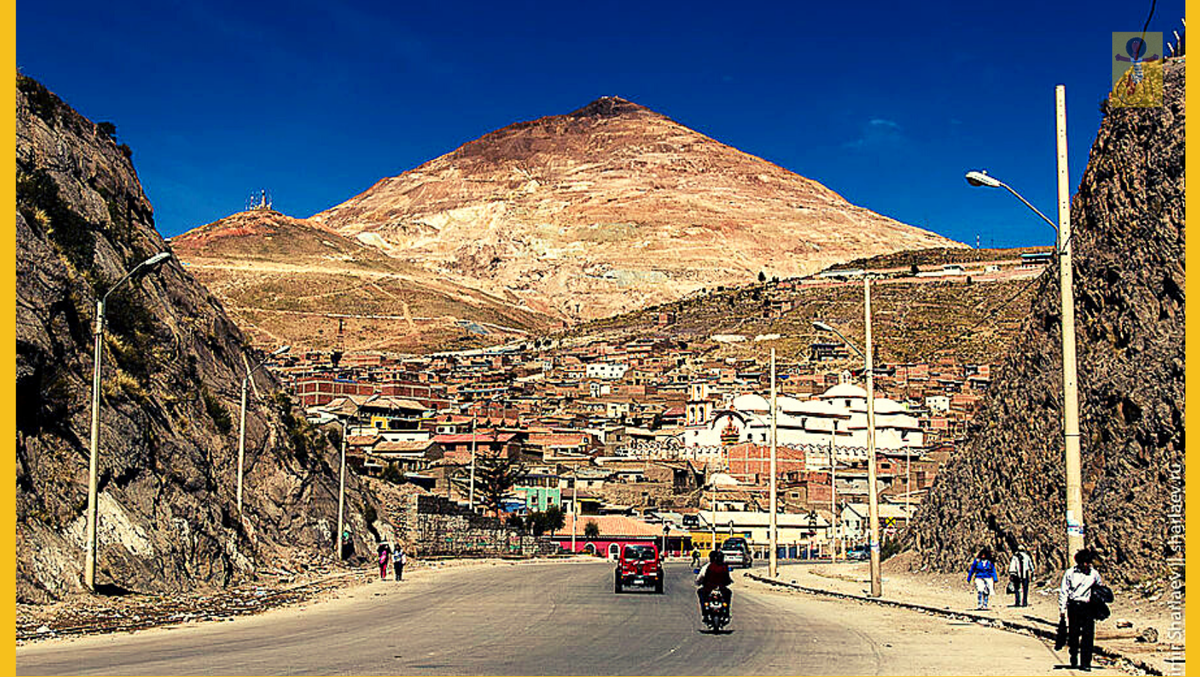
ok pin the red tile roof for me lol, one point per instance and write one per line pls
(616, 525)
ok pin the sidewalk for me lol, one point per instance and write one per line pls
(943, 593)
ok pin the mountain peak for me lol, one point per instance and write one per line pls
(607, 107)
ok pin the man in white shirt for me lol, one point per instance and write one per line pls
(1074, 597)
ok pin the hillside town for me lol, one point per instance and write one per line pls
(645, 436)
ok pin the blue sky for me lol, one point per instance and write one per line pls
(887, 105)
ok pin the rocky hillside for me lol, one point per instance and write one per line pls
(171, 372)
(610, 208)
(287, 280)
(1007, 483)
(971, 318)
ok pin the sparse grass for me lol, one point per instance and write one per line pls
(216, 411)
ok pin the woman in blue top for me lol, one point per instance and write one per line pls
(983, 572)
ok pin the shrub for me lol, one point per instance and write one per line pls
(108, 129)
(392, 474)
(216, 411)
(39, 202)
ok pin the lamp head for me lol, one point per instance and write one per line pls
(981, 178)
(821, 326)
(281, 351)
(156, 259)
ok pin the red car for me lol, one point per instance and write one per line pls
(638, 566)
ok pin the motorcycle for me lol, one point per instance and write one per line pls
(716, 611)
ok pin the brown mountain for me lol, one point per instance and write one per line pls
(292, 281)
(609, 208)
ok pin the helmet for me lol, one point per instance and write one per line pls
(716, 556)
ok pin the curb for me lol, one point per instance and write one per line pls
(1127, 663)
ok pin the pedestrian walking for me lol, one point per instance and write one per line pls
(385, 555)
(1075, 607)
(399, 559)
(696, 558)
(983, 572)
(1020, 572)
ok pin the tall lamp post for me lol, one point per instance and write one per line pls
(242, 426)
(872, 479)
(338, 540)
(773, 560)
(1075, 524)
(89, 565)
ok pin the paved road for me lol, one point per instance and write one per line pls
(559, 618)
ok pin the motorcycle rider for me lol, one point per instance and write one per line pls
(715, 574)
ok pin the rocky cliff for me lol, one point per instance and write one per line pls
(609, 208)
(1007, 483)
(172, 368)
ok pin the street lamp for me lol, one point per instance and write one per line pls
(1066, 289)
(773, 525)
(242, 427)
(89, 566)
(872, 479)
(341, 538)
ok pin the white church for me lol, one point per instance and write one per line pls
(838, 415)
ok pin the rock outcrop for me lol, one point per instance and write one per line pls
(1007, 482)
(611, 208)
(172, 369)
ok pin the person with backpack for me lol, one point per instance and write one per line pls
(983, 572)
(1079, 596)
(399, 559)
(1020, 572)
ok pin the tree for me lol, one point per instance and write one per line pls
(536, 523)
(591, 530)
(554, 519)
(762, 277)
(107, 129)
(494, 477)
(515, 522)
(914, 270)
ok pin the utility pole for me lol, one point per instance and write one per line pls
(774, 558)
(242, 443)
(574, 507)
(89, 565)
(471, 490)
(872, 480)
(337, 540)
(1075, 522)
(833, 489)
(246, 383)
